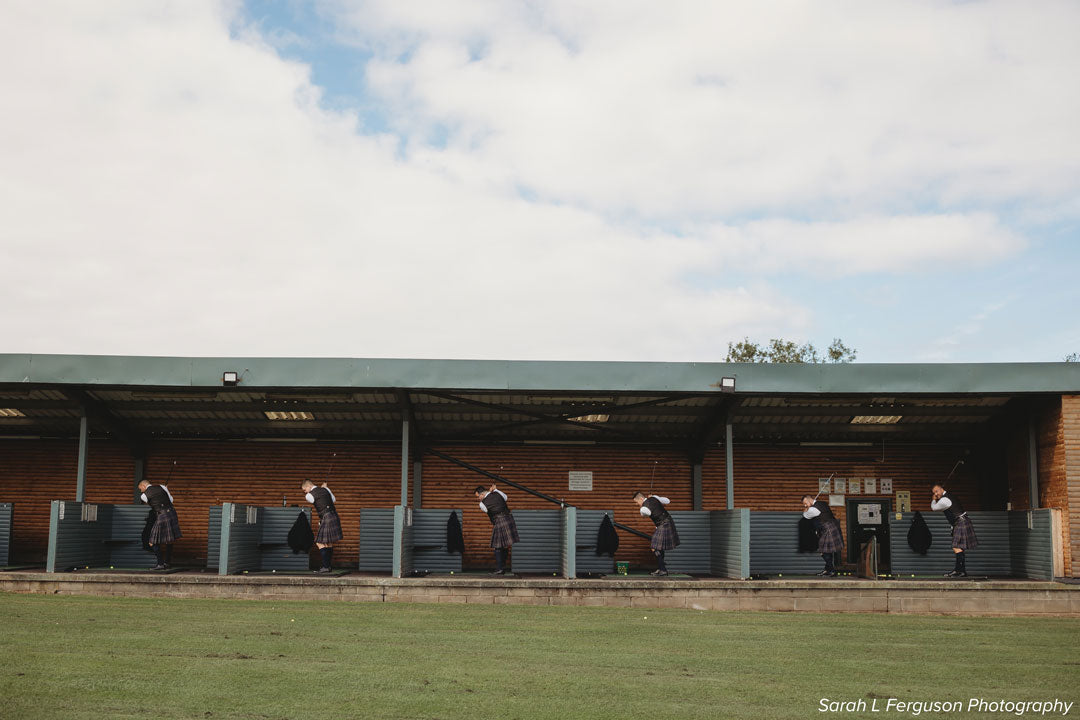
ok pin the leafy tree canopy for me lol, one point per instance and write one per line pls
(778, 350)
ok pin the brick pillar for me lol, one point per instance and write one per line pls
(1070, 520)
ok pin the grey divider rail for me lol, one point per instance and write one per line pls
(125, 537)
(1032, 537)
(540, 547)
(1006, 546)
(239, 540)
(429, 541)
(6, 513)
(694, 554)
(774, 545)
(376, 539)
(730, 540)
(568, 528)
(213, 538)
(403, 541)
(73, 541)
(586, 529)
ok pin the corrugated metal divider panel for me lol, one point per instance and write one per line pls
(540, 547)
(429, 541)
(275, 523)
(588, 527)
(125, 537)
(403, 541)
(74, 542)
(774, 545)
(213, 538)
(568, 527)
(992, 557)
(1032, 549)
(730, 530)
(6, 514)
(239, 540)
(694, 554)
(376, 539)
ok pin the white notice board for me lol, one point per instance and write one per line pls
(581, 480)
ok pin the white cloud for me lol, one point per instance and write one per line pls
(172, 186)
(670, 110)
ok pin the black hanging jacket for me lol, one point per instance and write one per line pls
(300, 536)
(455, 541)
(919, 538)
(607, 540)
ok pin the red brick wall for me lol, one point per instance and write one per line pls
(1070, 480)
(767, 477)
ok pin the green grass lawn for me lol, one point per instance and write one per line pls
(72, 657)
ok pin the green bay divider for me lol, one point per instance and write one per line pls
(730, 543)
(1017, 543)
(378, 539)
(586, 561)
(774, 545)
(246, 537)
(7, 511)
(540, 549)
(403, 541)
(75, 540)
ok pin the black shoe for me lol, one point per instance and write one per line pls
(167, 566)
(499, 572)
(824, 573)
(659, 573)
(956, 573)
(159, 566)
(831, 573)
(323, 570)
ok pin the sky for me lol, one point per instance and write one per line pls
(545, 180)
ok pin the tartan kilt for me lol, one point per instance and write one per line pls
(504, 532)
(665, 537)
(963, 534)
(166, 528)
(329, 529)
(830, 540)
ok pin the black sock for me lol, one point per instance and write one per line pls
(168, 553)
(325, 553)
(961, 564)
(660, 560)
(829, 567)
(157, 554)
(330, 557)
(500, 559)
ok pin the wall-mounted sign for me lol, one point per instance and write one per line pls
(839, 485)
(886, 486)
(836, 501)
(854, 487)
(869, 486)
(823, 485)
(903, 501)
(581, 480)
(869, 514)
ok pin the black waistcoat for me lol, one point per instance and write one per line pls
(158, 499)
(953, 513)
(495, 505)
(322, 501)
(659, 512)
(826, 515)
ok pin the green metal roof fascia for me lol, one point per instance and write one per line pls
(559, 376)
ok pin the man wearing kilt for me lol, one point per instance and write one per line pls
(166, 529)
(665, 536)
(963, 532)
(329, 523)
(827, 527)
(503, 528)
